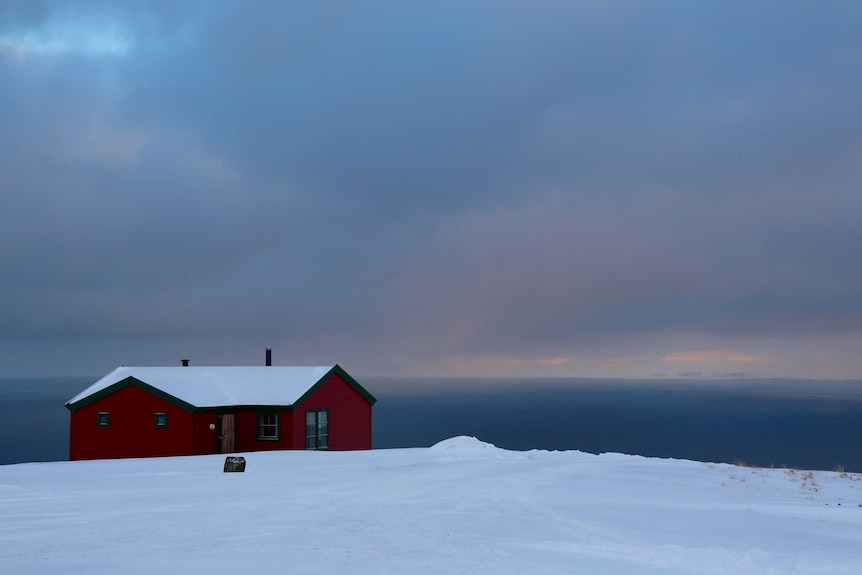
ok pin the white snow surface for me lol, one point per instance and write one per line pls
(462, 507)
(462, 442)
(220, 386)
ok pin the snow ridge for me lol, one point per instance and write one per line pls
(461, 443)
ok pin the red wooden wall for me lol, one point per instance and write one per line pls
(349, 416)
(204, 439)
(132, 431)
(349, 421)
(246, 432)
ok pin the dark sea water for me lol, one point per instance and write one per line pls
(807, 424)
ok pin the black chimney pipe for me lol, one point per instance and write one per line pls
(185, 362)
(269, 356)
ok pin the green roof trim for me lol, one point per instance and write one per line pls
(123, 383)
(336, 369)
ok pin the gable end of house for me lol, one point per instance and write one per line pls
(336, 370)
(126, 382)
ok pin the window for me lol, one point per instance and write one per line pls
(104, 419)
(161, 420)
(267, 426)
(317, 429)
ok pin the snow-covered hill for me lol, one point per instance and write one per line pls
(462, 506)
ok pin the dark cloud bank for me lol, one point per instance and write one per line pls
(432, 188)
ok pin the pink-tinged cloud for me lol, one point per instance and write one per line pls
(625, 360)
(552, 361)
(487, 363)
(714, 356)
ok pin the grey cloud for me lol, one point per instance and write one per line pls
(413, 181)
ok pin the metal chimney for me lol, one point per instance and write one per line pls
(269, 356)
(185, 362)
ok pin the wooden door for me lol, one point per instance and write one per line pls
(227, 433)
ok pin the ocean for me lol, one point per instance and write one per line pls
(793, 423)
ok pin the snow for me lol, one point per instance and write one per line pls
(460, 443)
(460, 507)
(220, 386)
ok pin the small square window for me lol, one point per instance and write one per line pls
(161, 420)
(267, 426)
(104, 419)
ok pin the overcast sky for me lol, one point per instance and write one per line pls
(626, 189)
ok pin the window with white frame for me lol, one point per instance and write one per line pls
(317, 429)
(267, 426)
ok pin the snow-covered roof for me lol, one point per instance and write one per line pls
(222, 386)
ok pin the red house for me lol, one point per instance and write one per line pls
(162, 411)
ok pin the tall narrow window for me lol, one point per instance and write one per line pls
(317, 429)
(267, 426)
(104, 419)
